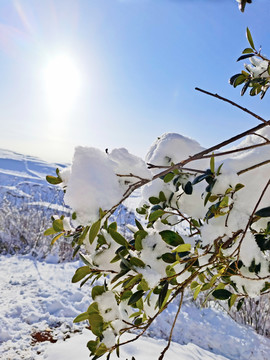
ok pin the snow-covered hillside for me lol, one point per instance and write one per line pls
(38, 301)
(38, 298)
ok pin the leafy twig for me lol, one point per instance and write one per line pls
(172, 328)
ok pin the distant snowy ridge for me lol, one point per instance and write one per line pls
(13, 164)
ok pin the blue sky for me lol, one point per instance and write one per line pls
(138, 63)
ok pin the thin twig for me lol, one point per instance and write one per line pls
(199, 155)
(232, 103)
(235, 150)
(251, 217)
(261, 136)
(152, 166)
(253, 167)
(172, 328)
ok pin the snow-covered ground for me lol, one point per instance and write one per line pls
(38, 298)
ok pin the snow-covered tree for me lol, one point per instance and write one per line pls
(203, 224)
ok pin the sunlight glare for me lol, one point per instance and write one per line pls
(62, 84)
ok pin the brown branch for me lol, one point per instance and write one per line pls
(182, 163)
(152, 166)
(261, 136)
(235, 150)
(253, 167)
(132, 175)
(251, 216)
(199, 155)
(172, 328)
(232, 103)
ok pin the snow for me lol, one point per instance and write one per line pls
(39, 296)
(92, 184)
(171, 147)
(35, 296)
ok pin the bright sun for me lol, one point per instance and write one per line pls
(62, 83)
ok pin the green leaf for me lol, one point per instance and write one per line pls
(232, 300)
(221, 294)
(137, 262)
(102, 349)
(139, 225)
(49, 231)
(246, 56)
(212, 164)
(58, 225)
(247, 51)
(53, 180)
(183, 248)
(172, 238)
(92, 346)
(141, 210)
(240, 80)
(162, 196)
(96, 323)
(131, 281)
(113, 226)
(97, 290)
(244, 88)
(154, 200)
(118, 238)
(94, 231)
(74, 216)
(155, 215)
(264, 212)
(81, 273)
(135, 297)
(168, 177)
(250, 40)
(240, 303)
(83, 235)
(208, 196)
(82, 317)
(197, 291)
(139, 236)
(224, 202)
(162, 294)
(93, 308)
(219, 169)
(263, 242)
(239, 187)
(56, 238)
(233, 78)
(126, 295)
(188, 189)
(169, 258)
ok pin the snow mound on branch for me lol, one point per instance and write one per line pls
(93, 181)
(126, 163)
(92, 184)
(171, 147)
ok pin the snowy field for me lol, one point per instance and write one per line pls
(39, 302)
(38, 298)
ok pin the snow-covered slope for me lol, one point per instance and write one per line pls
(16, 167)
(38, 297)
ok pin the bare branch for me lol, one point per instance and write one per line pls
(172, 328)
(235, 150)
(232, 103)
(251, 216)
(253, 167)
(261, 136)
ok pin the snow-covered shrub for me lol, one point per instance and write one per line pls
(25, 212)
(257, 76)
(204, 225)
